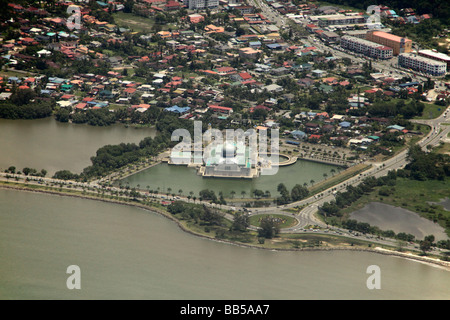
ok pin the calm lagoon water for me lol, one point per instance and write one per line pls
(52, 145)
(397, 219)
(177, 177)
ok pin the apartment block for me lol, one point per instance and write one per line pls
(438, 56)
(201, 4)
(398, 44)
(416, 62)
(338, 19)
(367, 48)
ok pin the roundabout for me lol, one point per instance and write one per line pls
(283, 221)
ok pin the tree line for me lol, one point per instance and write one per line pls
(199, 214)
(35, 109)
(298, 192)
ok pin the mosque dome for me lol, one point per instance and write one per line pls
(228, 150)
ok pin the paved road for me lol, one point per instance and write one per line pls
(437, 133)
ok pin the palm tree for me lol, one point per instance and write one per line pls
(311, 181)
(180, 192)
(232, 193)
(333, 172)
(243, 192)
(325, 175)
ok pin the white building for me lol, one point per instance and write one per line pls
(338, 19)
(201, 4)
(434, 55)
(422, 64)
(366, 47)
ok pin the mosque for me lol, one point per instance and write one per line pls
(230, 159)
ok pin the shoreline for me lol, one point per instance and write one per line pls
(423, 259)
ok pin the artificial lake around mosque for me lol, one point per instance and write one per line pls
(178, 177)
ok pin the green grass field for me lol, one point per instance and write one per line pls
(133, 22)
(431, 111)
(286, 221)
(443, 148)
(138, 23)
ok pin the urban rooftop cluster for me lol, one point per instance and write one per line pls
(229, 65)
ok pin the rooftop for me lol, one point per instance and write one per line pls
(435, 54)
(422, 59)
(389, 36)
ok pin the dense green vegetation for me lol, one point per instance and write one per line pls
(424, 33)
(199, 213)
(297, 193)
(23, 104)
(27, 171)
(93, 117)
(112, 157)
(422, 167)
(26, 111)
(425, 166)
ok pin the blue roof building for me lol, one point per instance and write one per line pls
(177, 109)
(396, 127)
(409, 84)
(298, 134)
(254, 43)
(274, 46)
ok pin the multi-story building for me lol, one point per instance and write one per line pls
(201, 4)
(330, 36)
(438, 56)
(415, 62)
(338, 19)
(365, 47)
(398, 44)
(361, 33)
